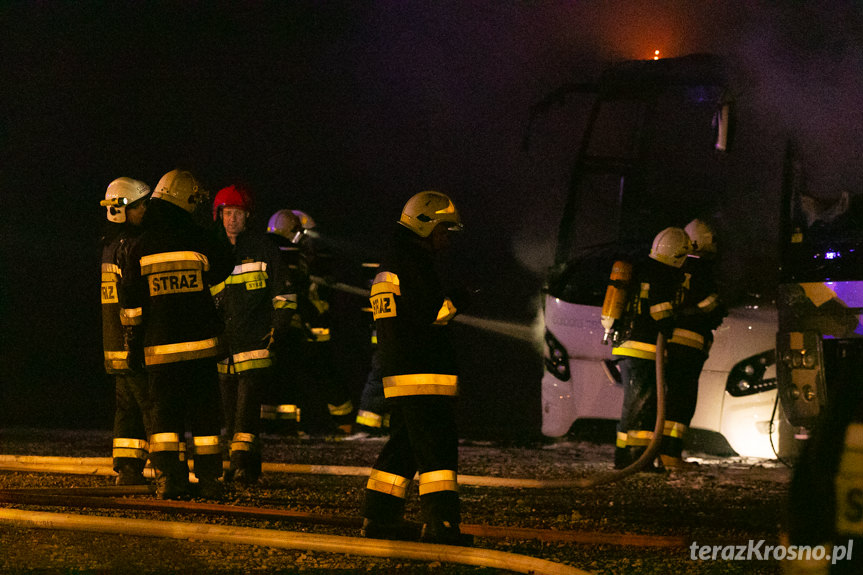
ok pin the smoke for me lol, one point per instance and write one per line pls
(803, 63)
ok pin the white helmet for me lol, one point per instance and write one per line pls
(287, 224)
(702, 238)
(671, 246)
(120, 193)
(180, 188)
(425, 210)
(305, 219)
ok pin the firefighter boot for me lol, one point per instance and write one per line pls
(172, 476)
(130, 471)
(445, 533)
(621, 458)
(672, 463)
(384, 518)
(208, 470)
(397, 530)
(245, 467)
(636, 452)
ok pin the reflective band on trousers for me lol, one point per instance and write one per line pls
(130, 443)
(688, 338)
(674, 429)
(285, 411)
(638, 438)
(184, 351)
(440, 480)
(207, 445)
(621, 439)
(130, 447)
(243, 442)
(420, 384)
(343, 409)
(164, 442)
(388, 483)
(636, 349)
(369, 418)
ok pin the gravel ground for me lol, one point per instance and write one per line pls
(727, 501)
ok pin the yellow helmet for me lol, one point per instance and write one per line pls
(426, 210)
(671, 246)
(120, 193)
(701, 234)
(287, 224)
(180, 188)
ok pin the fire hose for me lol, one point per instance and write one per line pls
(287, 540)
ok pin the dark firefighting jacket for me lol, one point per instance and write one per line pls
(701, 309)
(651, 308)
(254, 300)
(115, 252)
(411, 314)
(313, 315)
(166, 292)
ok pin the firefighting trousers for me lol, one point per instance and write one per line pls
(241, 408)
(423, 438)
(281, 394)
(373, 412)
(683, 369)
(638, 412)
(186, 393)
(325, 372)
(132, 407)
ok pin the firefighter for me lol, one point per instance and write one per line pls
(420, 378)
(700, 312)
(126, 203)
(254, 302)
(652, 307)
(173, 328)
(373, 417)
(320, 320)
(280, 410)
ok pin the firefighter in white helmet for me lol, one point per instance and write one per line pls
(171, 319)
(700, 312)
(420, 378)
(320, 326)
(280, 407)
(652, 307)
(125, 203)
(255, 302)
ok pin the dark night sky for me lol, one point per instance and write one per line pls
(344, 110)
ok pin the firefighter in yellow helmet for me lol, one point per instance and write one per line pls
(700, 312)
(652, 307)
(126, 203)
(420, 377)
(171, 319)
